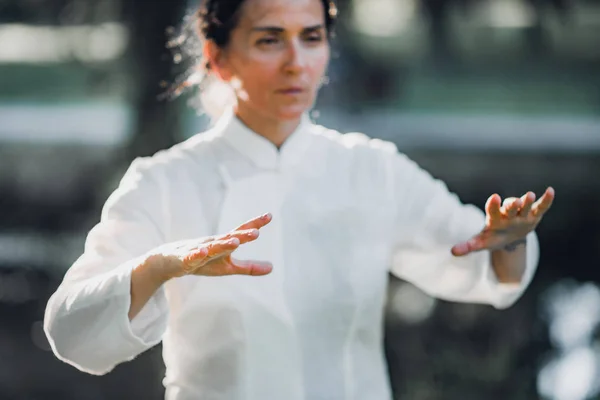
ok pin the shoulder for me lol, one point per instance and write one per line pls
(368, 157)
(195, 153)
(151, 177)
(362, 147)
(149, 181)
(354, 143)
(369, 164)
(356, 147)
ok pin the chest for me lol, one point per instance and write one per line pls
(328, 241)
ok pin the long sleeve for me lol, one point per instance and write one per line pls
(86, 319)
(430, 221)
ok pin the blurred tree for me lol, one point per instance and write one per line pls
(437, 14)
(537, 37)
(32, 11)
(157, 121)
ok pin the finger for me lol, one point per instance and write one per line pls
(196, 258)
(544, 203)
(511, 206)
(244, 236)
(254, 268)
(256, 223)
(207, 239)
(474, 244)
(526, 202)
(492, 206)
(219, 248)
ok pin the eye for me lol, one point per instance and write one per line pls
(267, 40)
(314, 36)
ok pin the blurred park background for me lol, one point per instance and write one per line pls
(489, 95)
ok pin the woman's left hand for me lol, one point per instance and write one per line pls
(507, 223)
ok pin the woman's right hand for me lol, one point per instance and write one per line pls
(212, 256)
(208, 256)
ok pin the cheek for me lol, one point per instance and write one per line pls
(257, 73)
(258, 81)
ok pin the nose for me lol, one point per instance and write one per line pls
(296, 57)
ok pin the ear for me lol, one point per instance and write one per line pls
(216, 60)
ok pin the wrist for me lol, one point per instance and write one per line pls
(512, 246)
(155, 269)
(146, 278)
(509, 262)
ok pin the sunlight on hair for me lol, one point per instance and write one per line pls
(573, 313)
(216, 97)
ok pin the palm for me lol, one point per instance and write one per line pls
(507, 222)
(218, 261)
(211, 256)
(223, 265)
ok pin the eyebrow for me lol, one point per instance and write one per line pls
(280, 29)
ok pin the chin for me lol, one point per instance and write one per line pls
(290, 113)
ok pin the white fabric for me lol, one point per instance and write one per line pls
(346, 209)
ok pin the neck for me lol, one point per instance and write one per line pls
(274, 130)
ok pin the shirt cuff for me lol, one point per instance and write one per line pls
(147, 328)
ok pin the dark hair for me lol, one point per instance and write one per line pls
(214, 20)
(217, 18)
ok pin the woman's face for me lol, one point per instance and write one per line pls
(276, 57)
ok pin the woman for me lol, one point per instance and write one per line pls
(297, 314)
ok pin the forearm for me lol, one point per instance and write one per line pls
(86, 319)
(510, 262)
(146, 279)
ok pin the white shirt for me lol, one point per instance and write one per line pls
(346, 211)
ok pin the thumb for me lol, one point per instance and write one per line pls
(461, 249)
(471, 245)
(254, 268)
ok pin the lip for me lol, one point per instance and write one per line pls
(291, 90)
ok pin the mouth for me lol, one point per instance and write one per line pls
(292, 90)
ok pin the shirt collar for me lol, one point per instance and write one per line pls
(260, 150)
